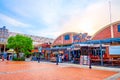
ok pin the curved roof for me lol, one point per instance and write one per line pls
(64, 34)
(117, 22)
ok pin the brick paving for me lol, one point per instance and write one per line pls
(118, 79)
(46, 71)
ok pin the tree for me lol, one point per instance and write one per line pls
(20, 43)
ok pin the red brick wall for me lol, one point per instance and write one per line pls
(68, 41)
(106, 33)
(60, 40)
(116, 33)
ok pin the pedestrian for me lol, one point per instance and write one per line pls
(7, 58)
(2, 58)
(63, 57)
(38, 58)
(60, 58)
(57, 59)
(90, 64)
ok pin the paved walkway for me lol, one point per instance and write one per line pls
(51, 71)
(93, 67)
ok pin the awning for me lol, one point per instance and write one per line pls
(35, 50)
(104, 41)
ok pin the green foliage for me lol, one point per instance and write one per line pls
(27, 54)
(20, 43)
(19, 59)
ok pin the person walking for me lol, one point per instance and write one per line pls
(2, 58)
(38, 58)
(57, 59)
(90, 62)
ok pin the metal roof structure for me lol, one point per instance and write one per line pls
(56, 48)
(104, 41)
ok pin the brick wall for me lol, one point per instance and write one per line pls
(60, 40)
(106, 33)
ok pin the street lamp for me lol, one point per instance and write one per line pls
(90, 65)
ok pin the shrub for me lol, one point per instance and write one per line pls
(19, 59)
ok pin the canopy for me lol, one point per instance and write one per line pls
(56, 48)
(109, 40)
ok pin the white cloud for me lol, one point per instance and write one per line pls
(13, 22)
(92, 19)
(61, 17)
(76, 19)
(48, 32)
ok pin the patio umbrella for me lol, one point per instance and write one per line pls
(55, 52)
(11, 51)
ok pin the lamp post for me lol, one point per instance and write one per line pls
(90, 65)
(110, 17)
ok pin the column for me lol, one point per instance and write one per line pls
(101, 54)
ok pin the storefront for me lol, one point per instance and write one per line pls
(71, 53)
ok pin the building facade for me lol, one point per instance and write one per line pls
(112, 50)
(69, 38)
(3, 38)
(106, 51)
(63, 45)
(105, 32)
(5, 34)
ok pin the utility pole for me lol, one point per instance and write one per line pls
(110, 17)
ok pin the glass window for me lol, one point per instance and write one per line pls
(66, 37)
(84, 35)
(119, 28)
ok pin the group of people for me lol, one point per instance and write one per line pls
(60, 58)
(5, 57)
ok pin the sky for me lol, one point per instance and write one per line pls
(51, 18)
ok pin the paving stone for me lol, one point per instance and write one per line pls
(50, 71)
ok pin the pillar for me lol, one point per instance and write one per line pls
(101, 54)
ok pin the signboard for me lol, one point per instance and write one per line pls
(114, 50)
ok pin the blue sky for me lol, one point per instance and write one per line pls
(51, 18)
